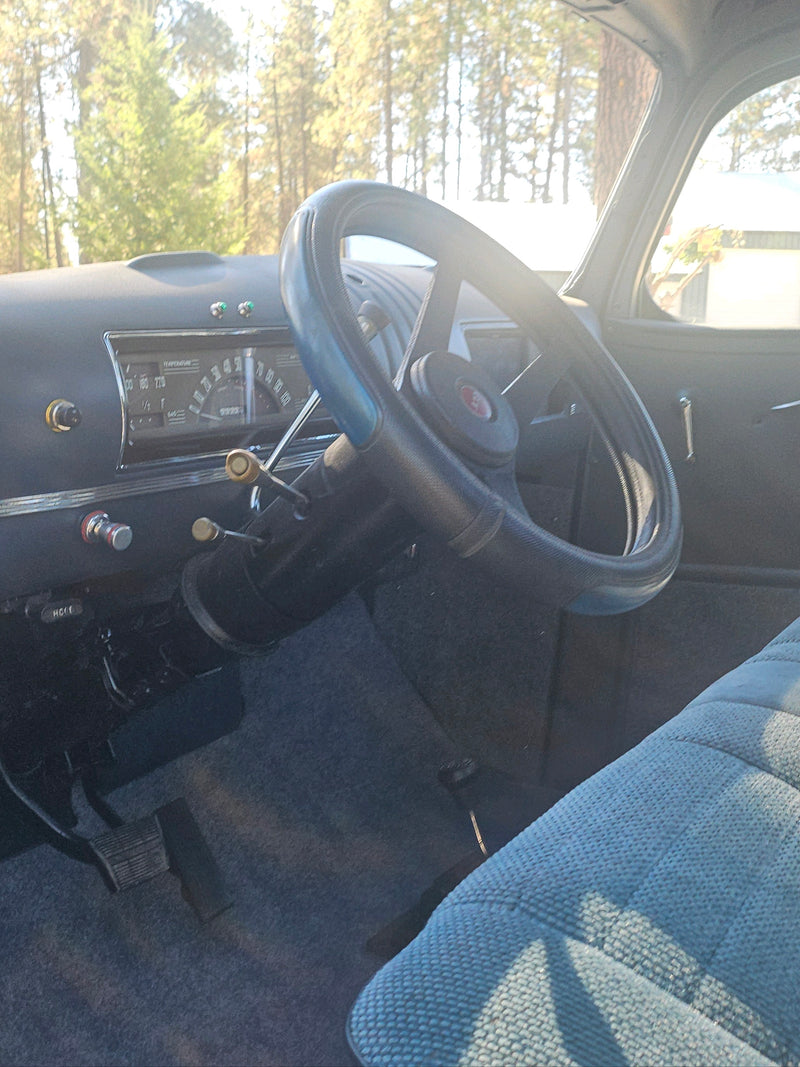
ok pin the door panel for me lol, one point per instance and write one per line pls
(741, 492)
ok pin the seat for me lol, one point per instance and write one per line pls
(652, 916)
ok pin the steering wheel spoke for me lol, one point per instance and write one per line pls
(529, 393)
(435, 319)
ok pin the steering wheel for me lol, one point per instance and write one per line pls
(441, 436)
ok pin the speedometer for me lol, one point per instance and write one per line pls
(236, 400)
(239, 389)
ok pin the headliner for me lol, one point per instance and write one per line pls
(688, 33)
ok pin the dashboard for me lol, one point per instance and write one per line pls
(125, 384)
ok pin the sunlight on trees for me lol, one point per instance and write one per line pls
(146, 156)
(134, 126)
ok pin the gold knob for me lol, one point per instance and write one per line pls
(242, 466)
(204, 529)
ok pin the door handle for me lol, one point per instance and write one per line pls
(688, 426)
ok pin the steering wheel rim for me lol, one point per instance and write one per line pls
(429, 478)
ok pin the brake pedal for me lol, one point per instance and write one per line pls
(128, 854)
(132, 853)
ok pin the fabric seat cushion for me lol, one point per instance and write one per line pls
(653, 915)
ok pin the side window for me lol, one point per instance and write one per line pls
(730, 254)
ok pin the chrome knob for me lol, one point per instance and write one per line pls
(97, 528)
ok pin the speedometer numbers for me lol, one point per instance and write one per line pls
(239, 390)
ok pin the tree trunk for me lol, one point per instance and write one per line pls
(246, 147)
(503, 158)
(551, 144)
(624, 88)
(87, 55)
(22, 189)
(283, 212)
(566, 115)
(388, 109)
(304, 170)
(445, 92)
(533, 155)
(48, 189)
(460, 116)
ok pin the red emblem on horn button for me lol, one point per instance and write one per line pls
(476, 401)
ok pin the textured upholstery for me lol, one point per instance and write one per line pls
(652, 916)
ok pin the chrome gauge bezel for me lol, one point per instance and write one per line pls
(124, 344)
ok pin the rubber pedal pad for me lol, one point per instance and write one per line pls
(192, 861)
(131, 854)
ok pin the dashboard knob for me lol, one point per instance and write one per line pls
(218, 308)
(62, 415)
(242, 466)
(205, 529)
(246, 308)
(97, 528)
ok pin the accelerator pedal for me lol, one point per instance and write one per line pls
(191, 860)
(167, 840)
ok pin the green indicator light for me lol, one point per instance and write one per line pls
(250, 305)
(223, 306)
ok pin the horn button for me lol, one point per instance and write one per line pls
(462, 404)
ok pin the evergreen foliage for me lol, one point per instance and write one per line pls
(133, 126)
(145, 154)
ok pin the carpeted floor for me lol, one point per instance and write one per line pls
(324, 812)
(481, 658)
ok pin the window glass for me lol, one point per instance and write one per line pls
(131, 129)
(730, 254)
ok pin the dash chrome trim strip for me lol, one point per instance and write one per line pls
(165, 483)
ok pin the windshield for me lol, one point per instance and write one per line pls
(132, 128)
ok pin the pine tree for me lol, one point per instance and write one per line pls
(761, 133)
(148, 156)
(350, 127)
(30, 224)
(292, 159)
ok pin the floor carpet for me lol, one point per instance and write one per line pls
(325, 814)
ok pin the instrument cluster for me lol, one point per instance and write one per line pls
(200, 391)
